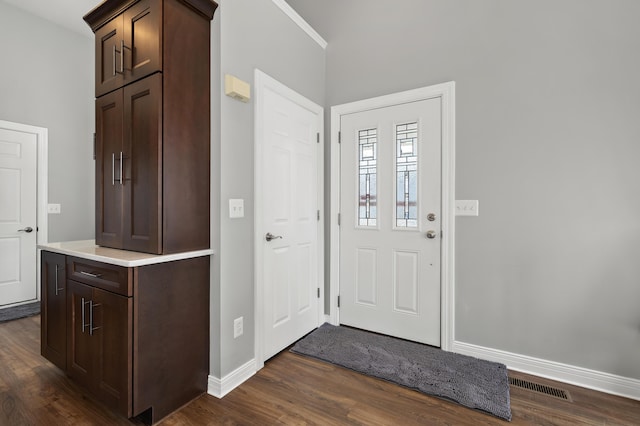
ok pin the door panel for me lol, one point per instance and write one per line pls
(109, 151)
(142, 170)
(112, 315)
(18, 212)
(366, 276)
(54, 309)
(143, 39)
(108, 58)
(289, 188)
(81, 360)
(391, 172)
(405, 281)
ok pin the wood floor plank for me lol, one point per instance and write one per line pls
(290, 390)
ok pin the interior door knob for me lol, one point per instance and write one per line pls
(270, 236)
(27, 229)
(431, 234)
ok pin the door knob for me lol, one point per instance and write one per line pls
(431, 234)
(27, 229)
(270, 236)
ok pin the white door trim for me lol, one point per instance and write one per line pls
(445, 91)
(42, 221)
(262, 82)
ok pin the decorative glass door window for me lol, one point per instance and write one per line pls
(407, 175)
(367, 164)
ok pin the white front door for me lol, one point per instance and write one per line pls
(288, 190)
(390, 231)
(18, 213)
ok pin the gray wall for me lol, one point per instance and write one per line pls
(548, 100)
(253, 34)
(46, 80)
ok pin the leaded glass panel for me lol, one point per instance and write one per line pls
(407, 175)
(367, 163)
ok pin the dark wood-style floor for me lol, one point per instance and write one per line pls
(289, 390)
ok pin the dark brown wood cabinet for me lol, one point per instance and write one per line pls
(100, 344)
(136, 338)
(128, 46)
(53, 310)
(128, 167)
(152, 124)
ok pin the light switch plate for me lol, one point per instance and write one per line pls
(236, 208)
(238, 327)
(466, 207)
(53, 208)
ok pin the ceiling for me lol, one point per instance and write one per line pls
(67, 13)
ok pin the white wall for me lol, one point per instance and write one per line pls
(548, 100)
(46, 80)
(252, 34)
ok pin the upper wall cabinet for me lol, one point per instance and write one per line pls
(153, 124)
(129, 46)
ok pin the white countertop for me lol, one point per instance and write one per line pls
(88, 249)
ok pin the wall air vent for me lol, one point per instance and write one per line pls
(543, 389)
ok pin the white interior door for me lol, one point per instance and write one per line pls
(390, 232)
(289, 189)
(18, 213)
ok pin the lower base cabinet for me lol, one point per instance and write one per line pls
(53, 309)
(136, 338)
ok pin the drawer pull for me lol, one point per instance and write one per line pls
(91, 274)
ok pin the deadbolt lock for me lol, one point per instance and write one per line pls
(431, 217)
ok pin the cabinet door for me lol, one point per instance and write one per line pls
(81, 360)
(54, 309)
(112, 343)
(142, 39)
(142, 165)
(109, 65)
(100, 344)
(109, 165)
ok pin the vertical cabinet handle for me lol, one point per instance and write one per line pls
(58, 289)
(121, 56)
(114, 60)
(91, 327)
(83, 315)
(121, 161)
(121, 52)
(113, 168)
(88, 325)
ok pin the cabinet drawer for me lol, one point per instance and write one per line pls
(116, 279)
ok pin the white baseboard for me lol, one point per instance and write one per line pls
(591, 379)
(220, 387)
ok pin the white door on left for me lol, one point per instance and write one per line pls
(289, 225)
(18, 213)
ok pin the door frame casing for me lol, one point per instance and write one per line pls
(446, 92)
(262, 82)
(42, 185)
